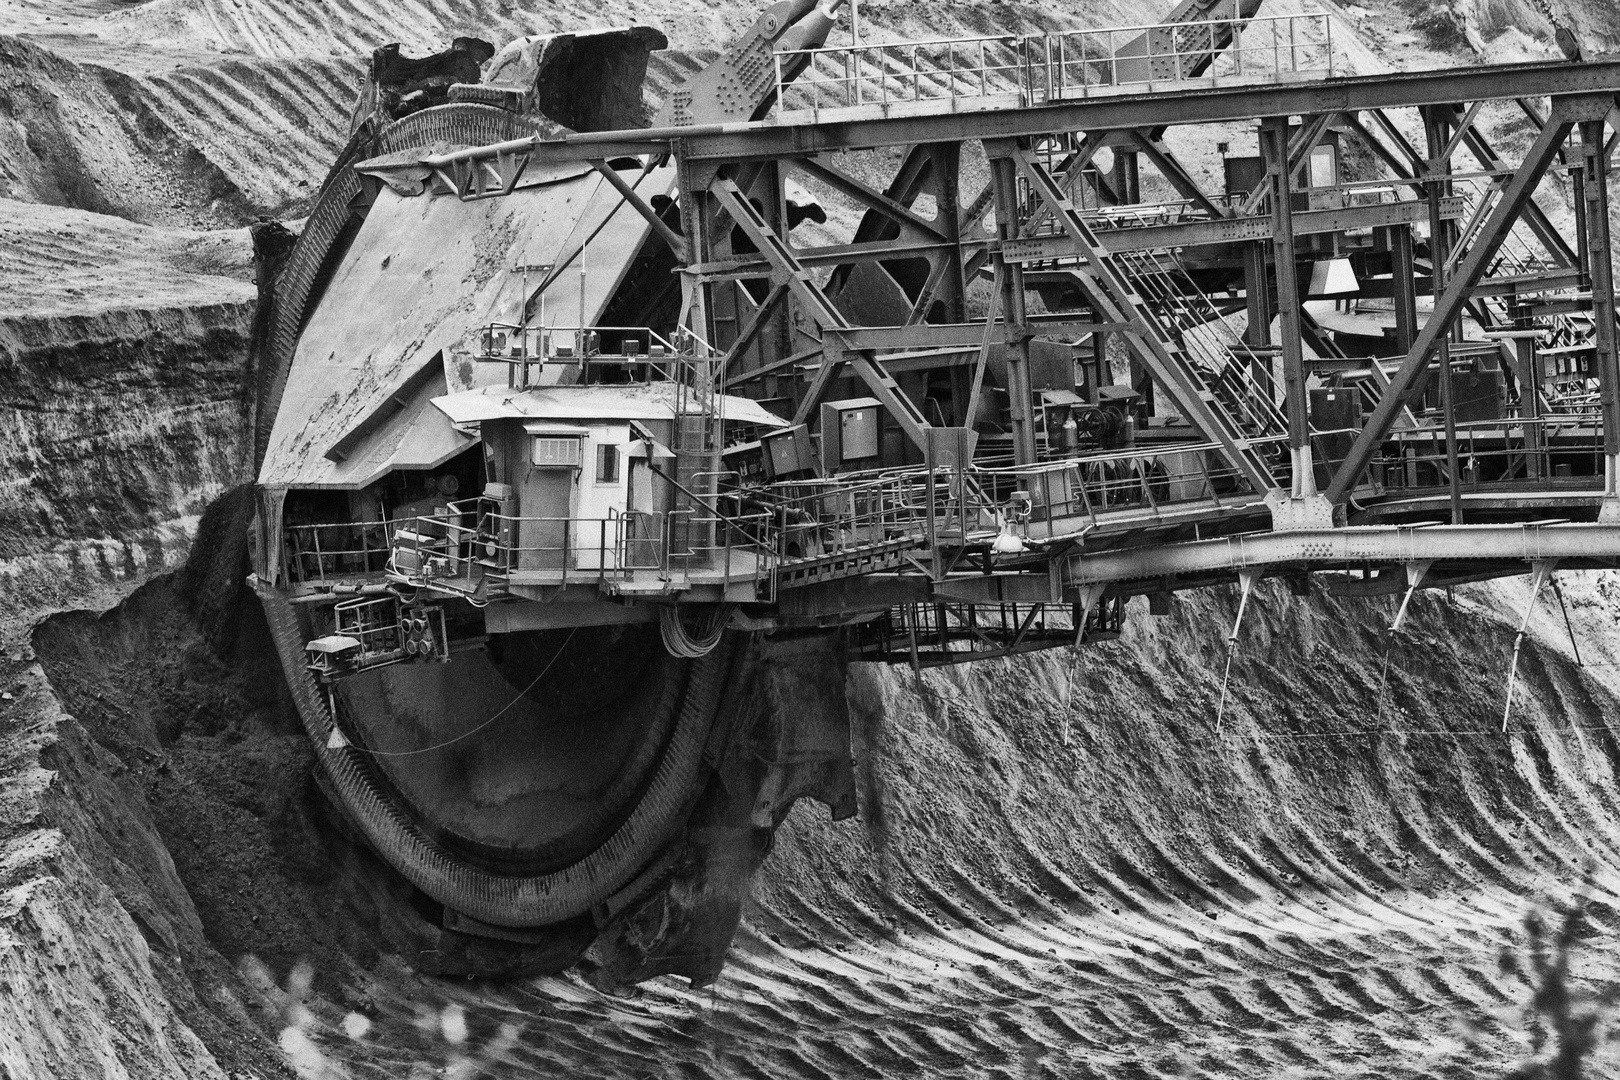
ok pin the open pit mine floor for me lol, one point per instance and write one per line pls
(1047, 879)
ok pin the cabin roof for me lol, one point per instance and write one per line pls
(637, 401)
(420, 277)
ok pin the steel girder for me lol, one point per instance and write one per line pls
(767, 139)
(826, 315)
(1353, 546)
(1156, 110)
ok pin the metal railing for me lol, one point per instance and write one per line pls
(840, 516)
(637, 353)
(1224, 363)
(318, 553)
(984, 72)
(373, 621)
(478, 545)
(1092, 489)
(1495, 453)
(1504, 454)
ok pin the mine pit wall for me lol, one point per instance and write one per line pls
(109, 968)
(117, 430)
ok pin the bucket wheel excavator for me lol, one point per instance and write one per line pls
(520, 613)
(554, 778)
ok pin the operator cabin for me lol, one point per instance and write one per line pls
(582, 454)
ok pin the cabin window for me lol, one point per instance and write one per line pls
(607, 464)
(1324, 167)
(557, 451)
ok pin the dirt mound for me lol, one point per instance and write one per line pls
(281, 29)
(212, 144)
(185, 786)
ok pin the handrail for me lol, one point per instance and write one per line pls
(1051, 66)
(1190, 24)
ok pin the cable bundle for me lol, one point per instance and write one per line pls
(699, 640)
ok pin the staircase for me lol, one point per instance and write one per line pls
(1218, 398)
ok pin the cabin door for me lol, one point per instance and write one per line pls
(643, 520)
(546, 500)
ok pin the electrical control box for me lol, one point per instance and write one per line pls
(789, 453)
(1336, 408)
(849, 434)
(1479, 395)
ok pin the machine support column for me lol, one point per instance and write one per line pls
(696, 213)
(1101, 376)
(1403, 275)
(1004, 174)
(1529, 374)
(1437, 128)
(1257, 307)
(1274, 134)
(1600, 258)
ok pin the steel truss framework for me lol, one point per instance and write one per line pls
(1009, 209)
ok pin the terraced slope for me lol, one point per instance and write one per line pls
(210, 112)
(123, 379)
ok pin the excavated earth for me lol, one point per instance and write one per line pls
(1063, 865)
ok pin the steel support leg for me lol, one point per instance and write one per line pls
(1246, 582)
(1415, 573)
(1540, 571)
(1020, 398)
(1257, 308)
(1274, 134)
(1437, 122)
(1403, 275)
(1600, 256)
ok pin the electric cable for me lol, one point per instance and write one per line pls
(468, 734)
(699, 641)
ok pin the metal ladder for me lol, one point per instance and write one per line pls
(1111, 292)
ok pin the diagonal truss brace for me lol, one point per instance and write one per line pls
(872, 198)
(1110, 293)
(472, 179)
(676, 242)
(1404, 383)
(799, 282)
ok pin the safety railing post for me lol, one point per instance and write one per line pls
(320, 560)
(1085, 495)
(1209, 481)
